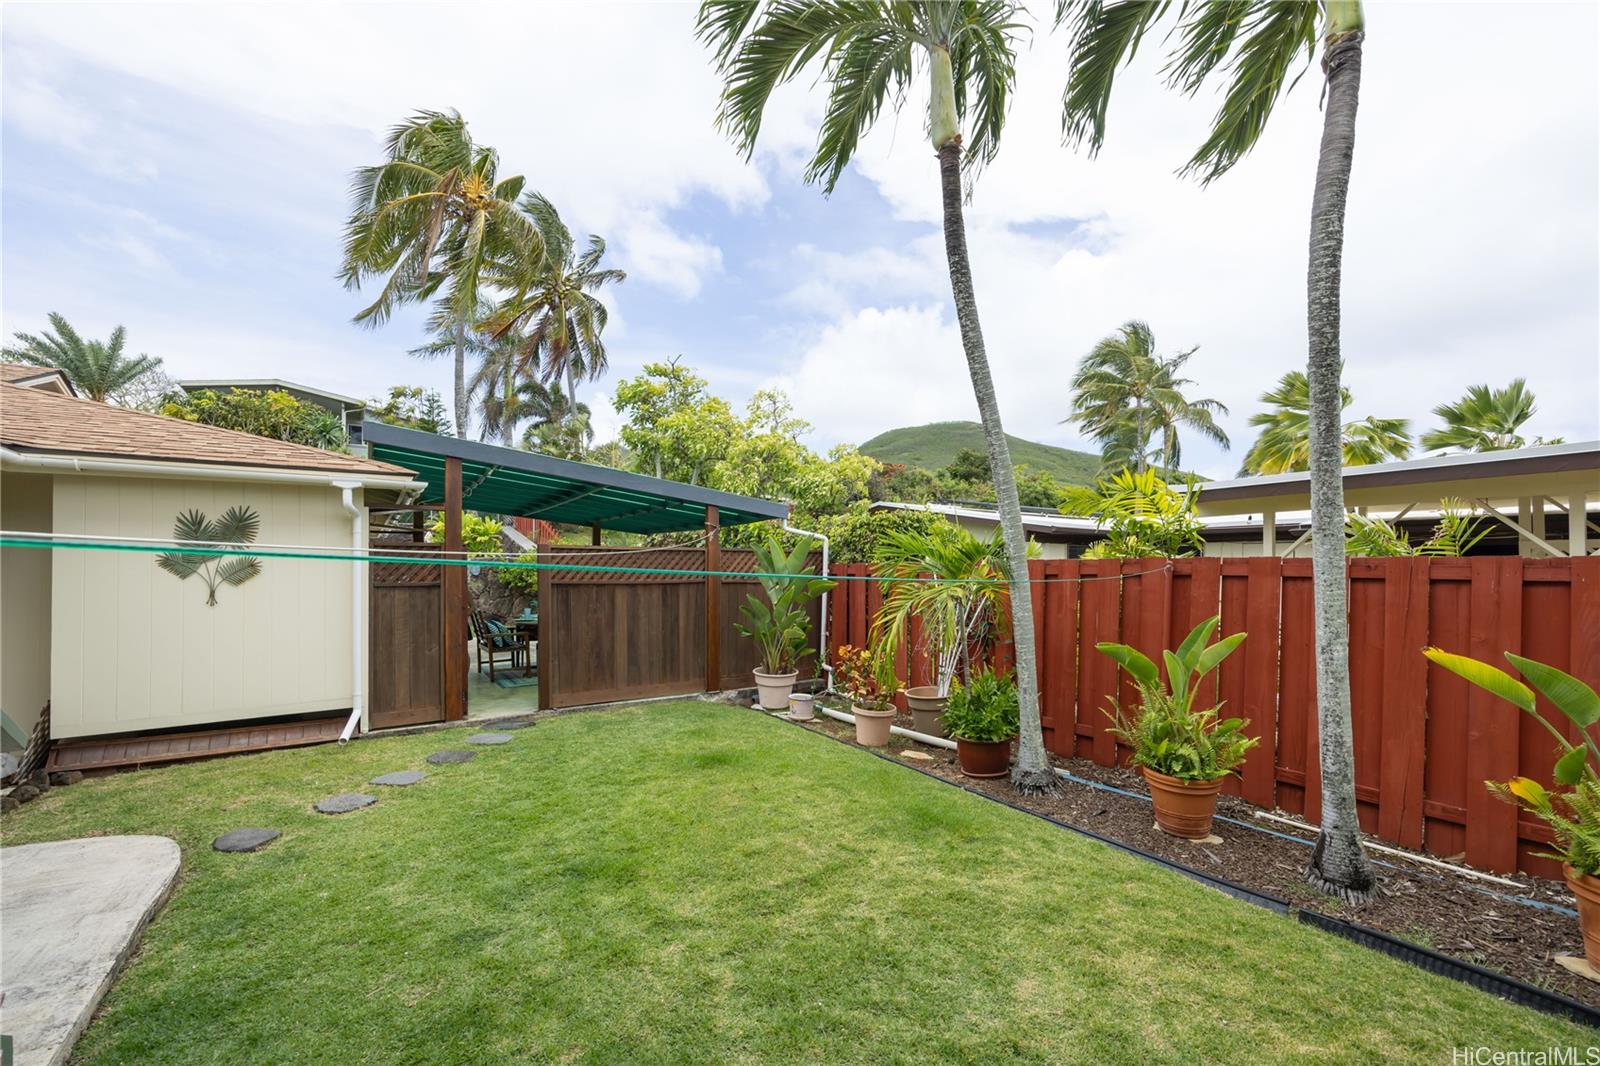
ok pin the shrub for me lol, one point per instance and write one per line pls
(266, 413)
(860, 677)
(985, 709)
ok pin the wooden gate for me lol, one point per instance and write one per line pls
(405, 646)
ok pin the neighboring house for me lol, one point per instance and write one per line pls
(117, 645)
(351, 411)
(1524, 495)
(36, 377)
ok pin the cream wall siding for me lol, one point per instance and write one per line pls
(24, 605)
(135, 648)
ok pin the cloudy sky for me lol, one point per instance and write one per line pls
(182, 170)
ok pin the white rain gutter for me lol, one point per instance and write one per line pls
(358, 522)
(218, 471)
(822, 626)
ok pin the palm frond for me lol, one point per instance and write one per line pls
(236, 571)
(1105, 37)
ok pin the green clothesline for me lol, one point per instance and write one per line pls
(22, 540)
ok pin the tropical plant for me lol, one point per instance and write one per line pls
(412, 407)
(1484, 420)
(551, 302)
(1573, 816)
(860, 675)
(1456, 533)
(429, 218)
(1125, 394)
(983, 709)
(1169, 735)
(1285, 441)
(1143, 516)
(778, 624)
(480, 535)
(236, 526)
(556, 425)
(672, 424)
(869, 53)
(97, 369)
(264, 412)
(948, 580)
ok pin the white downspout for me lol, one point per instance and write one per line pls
(358, 629)
(822, 626)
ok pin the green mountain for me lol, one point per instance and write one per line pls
(933, 446)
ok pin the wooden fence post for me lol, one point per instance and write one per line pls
(713, 599)
(454, 588)
(1405, 701)
(1492, 724)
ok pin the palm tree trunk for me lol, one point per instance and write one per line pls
(1338, 864)
(1032, 774)
(461, 377)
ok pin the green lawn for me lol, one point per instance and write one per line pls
(696, 883)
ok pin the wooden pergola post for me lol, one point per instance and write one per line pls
(713, 599)
(454, 587)
(594, 534)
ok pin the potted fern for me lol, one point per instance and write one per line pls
(1184, 753)
(779, 624)
(1573, 810)
(982, 715)
(860, 677)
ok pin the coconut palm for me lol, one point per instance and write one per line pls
(552, 302)
(1261, 47)
(555, 425)
(1285, 441)
(428, 219)
(1484, 420)
(869, 53)
(97, 369)
(1125, 394)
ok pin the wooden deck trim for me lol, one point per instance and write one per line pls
(116, 752)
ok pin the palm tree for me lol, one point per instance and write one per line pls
(1262, 47)
(556, 425)
(1285, 440)
(869, 52)
(1125, 393)
(552, 302)
(97, 369)
(1484, 420)
(429, 218)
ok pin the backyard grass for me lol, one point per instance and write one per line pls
(695, 883)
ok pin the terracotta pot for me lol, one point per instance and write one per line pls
(1183, 808)
(872, 727)
(775, 689)
(1587, 889)
(927, 710)
(983, 758)
(800, 706)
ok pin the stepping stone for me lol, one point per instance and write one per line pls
(1579, 965)
(400, 778)
(345, 803)
(444, 758)
(245, 839)
(920, 756)
(521, 723)
(490, 738)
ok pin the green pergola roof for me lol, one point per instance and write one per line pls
(510, 481)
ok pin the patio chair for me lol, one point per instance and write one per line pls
(496, 643)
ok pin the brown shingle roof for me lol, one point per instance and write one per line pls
(26, 372)
(39, 421)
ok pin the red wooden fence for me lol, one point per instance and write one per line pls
(1425, 741)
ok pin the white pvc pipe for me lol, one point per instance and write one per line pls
(822, 627)
(1409, 855)
(358, 529)
(909, 734)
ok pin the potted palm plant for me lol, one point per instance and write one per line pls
(1572, 812)
(860, 677)
(952, 583)
(779, 624)
(1184, 753)
(983, 717)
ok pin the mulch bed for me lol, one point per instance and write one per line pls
(1450, 913)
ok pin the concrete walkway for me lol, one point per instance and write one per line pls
(71, 911)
